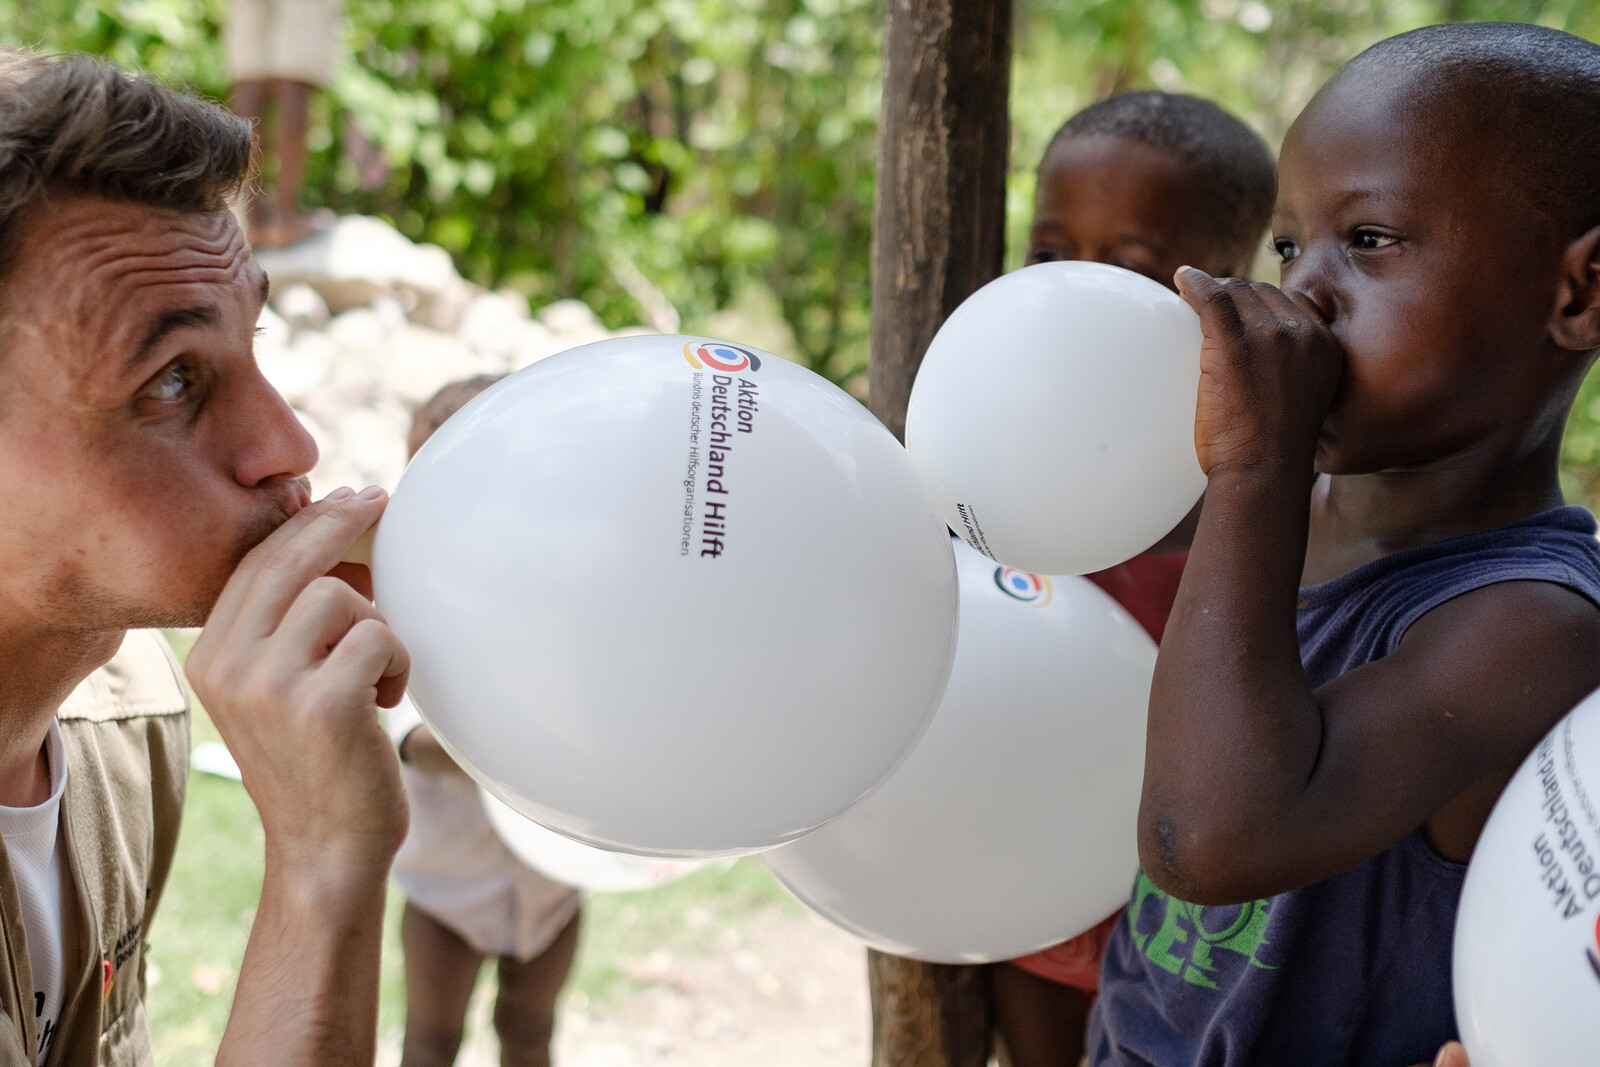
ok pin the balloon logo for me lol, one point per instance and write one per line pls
(1029, 588)
(1594, 961)
(720, 356)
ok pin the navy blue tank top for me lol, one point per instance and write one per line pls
(1354, 969)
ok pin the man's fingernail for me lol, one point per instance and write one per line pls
(344, 492)
(371, 492)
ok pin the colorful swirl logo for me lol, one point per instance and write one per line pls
(1032, 589)
(720, 356)
(1594, 960)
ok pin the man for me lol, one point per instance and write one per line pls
(151, 477)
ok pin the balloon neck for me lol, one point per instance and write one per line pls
(361, 551)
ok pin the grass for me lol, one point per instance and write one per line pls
(199, 935)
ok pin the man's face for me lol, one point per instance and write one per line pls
(142, 453)
(1111, 200)
(1434, 272)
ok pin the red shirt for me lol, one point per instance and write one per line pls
(1146, 586)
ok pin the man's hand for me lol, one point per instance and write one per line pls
(292, 665)
(1269, 369)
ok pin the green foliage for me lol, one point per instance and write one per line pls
(714, 148)
(559, 147)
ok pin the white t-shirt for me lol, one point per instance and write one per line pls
(454, 867)
(38, 865)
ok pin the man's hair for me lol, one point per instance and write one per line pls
(1228, 164)
(1530, 95)
(441, 405)
(77, 124)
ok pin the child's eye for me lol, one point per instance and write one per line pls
(1285, 248)
(171, 384)
(1372, 239)
(1042, 255)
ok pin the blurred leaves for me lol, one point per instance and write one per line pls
(722, 147)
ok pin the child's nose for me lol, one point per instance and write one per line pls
(1312, 279)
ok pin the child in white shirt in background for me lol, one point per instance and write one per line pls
(467, 896)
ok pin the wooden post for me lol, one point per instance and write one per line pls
(938, 233)
(938, 224)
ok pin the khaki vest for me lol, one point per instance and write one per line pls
(126, 730)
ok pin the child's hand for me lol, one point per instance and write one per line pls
(1452, 1055)
(1269, 369)
(422, 750)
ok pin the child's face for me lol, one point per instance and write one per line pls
(1110, 200)
(1433, 271)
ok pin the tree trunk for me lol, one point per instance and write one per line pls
(938, 226)
(938, 233)
(928, 1014)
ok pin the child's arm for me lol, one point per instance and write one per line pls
(1180, 537)
(422, 750)
(1254, 784)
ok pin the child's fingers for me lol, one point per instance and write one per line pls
(1225, 305)
(1291, 312)
(1305, 304)
(1196, 287)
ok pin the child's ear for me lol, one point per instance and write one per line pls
(1576, 323)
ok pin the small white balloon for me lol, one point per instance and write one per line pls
(1527, 945)
(1013, 825)
(1053, 417)
(573, 863)
(670, 596)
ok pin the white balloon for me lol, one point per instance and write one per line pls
(670, 596)
(574, 863)
(1013, 824)
(1053, 417)
(1527, 944)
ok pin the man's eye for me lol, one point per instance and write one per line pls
(171, 385)
(1043, 255)
(1371, 239)
(1285, 248)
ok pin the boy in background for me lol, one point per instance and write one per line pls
(467, 896)
(1147, 181)
(1386, 604)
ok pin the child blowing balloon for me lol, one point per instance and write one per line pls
(1148, 181)
(467, 896)
(1359, 658)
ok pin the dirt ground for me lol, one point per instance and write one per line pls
(775, 992)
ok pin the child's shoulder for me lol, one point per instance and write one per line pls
(1366, 614)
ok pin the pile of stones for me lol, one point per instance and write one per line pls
(362, 326)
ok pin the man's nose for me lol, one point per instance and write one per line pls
(273, 447)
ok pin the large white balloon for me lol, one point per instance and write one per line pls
(670, 596)
(1013, 824)
(574, 863)
(1053, 417)
(1527, 945)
